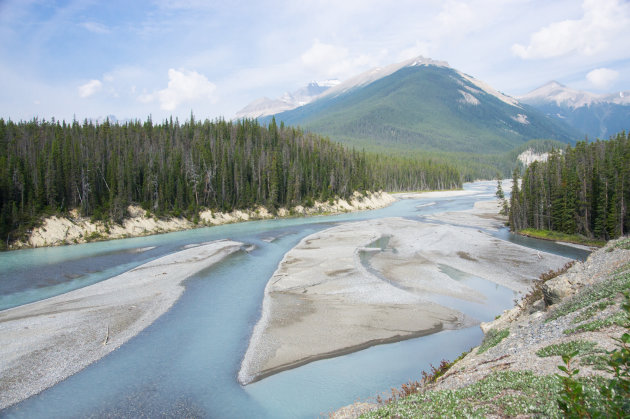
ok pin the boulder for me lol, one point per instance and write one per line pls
(555, 290)
(537, 306)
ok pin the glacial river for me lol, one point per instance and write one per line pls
(186, 363)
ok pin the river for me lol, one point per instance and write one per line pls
(186, 363)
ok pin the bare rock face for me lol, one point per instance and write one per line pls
(503, 321)
(537, 306)
(557, 289)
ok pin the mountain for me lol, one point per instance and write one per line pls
(598, 116)
(423, 104)
(265, 106)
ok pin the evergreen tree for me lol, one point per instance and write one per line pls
(174, 169)
(582, 191)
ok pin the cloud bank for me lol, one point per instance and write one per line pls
(184, 86)
(603, 23)
(90, 88)
(602, 77)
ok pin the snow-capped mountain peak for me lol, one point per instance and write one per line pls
(378, 73)
(597, 115)
(561, 95)
(289, 100)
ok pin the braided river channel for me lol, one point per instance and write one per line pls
(186, 363)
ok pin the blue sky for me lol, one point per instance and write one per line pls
(89, 59)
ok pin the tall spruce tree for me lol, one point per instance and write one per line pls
(583, 191)
(173, 169)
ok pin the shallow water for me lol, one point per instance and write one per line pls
(186, 363)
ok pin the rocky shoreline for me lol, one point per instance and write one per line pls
(578, 308)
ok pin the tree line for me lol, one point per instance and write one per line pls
(583, 190)
(178, 169)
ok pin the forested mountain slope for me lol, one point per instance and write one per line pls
(426, 105)
(174, 169)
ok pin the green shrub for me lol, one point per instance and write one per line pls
(592, 310)
(577, 347)
(619, 319)
(492, 338)
(614, 395)
(500, 394)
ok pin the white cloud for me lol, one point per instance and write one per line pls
(183, 86)
(322, 56)
(89, 88)
(333, 61)
(603, 23)
(146, 98)
(95, 27)
(420, 48)
(602, 77)
(456, 16)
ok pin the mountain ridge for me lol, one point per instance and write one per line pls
(554, 91)
(424, 104)
(597, 115)
(290, 100)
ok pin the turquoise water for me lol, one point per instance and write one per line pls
(186, 363)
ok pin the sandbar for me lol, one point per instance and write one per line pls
(369, 282)
(44, 342)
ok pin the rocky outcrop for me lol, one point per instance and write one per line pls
(529, 156)
(581, 275)
(557, 290)
(553, 318)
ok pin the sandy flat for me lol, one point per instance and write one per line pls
(45, 342)
(433, 194)
(333, 295)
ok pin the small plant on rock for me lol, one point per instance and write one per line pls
(576, 347)
(614, 400)
(492, 338)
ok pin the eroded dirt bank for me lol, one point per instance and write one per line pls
(56, 231)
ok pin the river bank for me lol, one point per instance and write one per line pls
(514, 368)
(45, 342)
(570, 239)
(360, 284)
(74, 229)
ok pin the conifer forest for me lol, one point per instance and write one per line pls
(582, 190)
(178, 169)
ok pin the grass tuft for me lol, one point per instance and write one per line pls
(618, 319)
(558, 236)
(607, 289)
(590, 311)
(579, 347)
(502, 393)
(492, 339)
